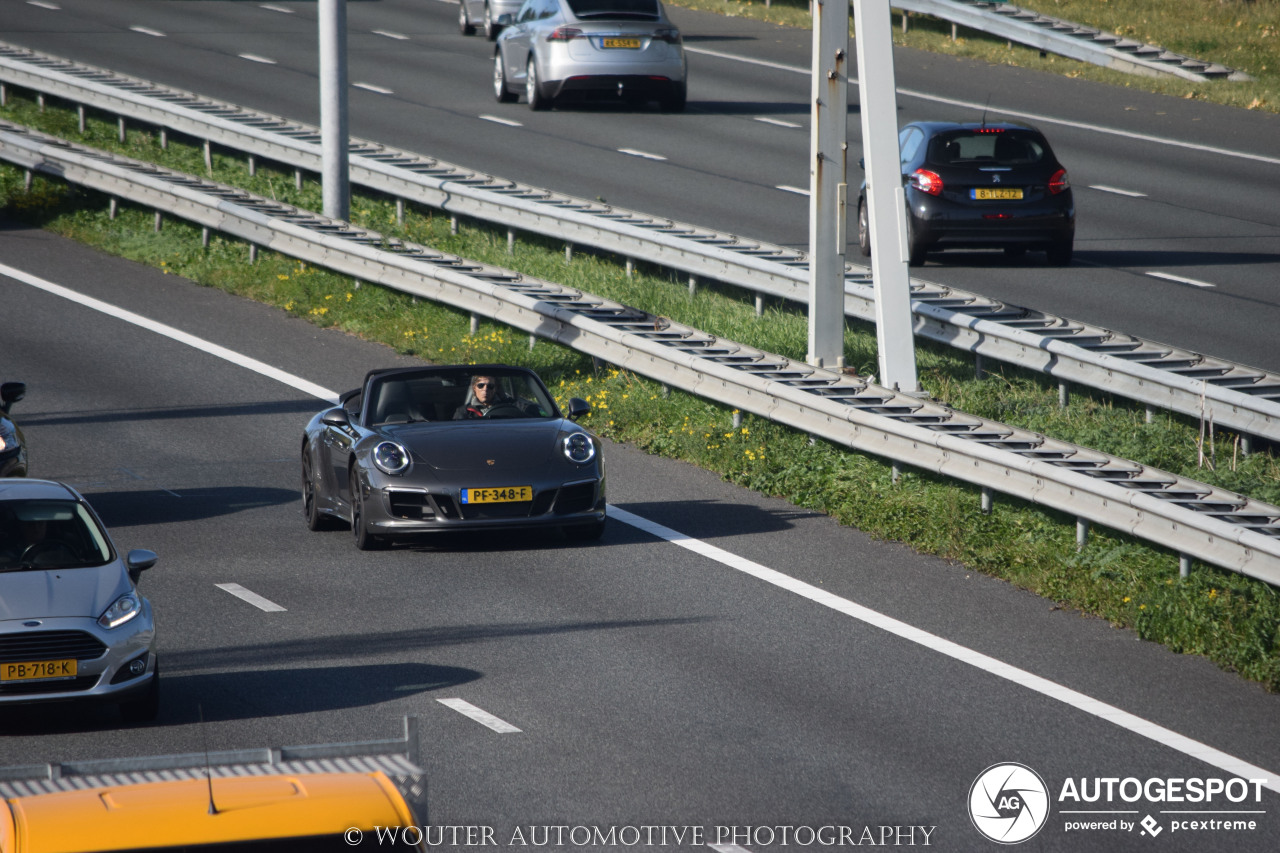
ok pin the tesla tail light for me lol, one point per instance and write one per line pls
(391, 458)
(125, 608)
(579, 447)
(1058, 182)
(564, 34)
(926, 181)
(668, 34)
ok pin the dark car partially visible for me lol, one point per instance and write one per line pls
(13, 448)
(981, 186)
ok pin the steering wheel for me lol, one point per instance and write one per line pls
(505, 410)
(48, 546)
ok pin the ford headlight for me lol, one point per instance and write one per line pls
(579, 447)
(391, 458)
(125, 608)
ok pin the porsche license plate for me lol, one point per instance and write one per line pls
(991, 194)
(34, 670)
(505, 494)
(617, 42)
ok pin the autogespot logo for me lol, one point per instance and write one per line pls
(1008, 803)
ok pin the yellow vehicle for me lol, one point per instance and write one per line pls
(302, 813)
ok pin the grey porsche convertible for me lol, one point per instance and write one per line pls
(420, 450)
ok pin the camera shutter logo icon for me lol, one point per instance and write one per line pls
(1008, 803)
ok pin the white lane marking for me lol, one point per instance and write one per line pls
(1180, 280)
(1106, 189)
(391, 35)
(644, 154)
(253, 57)
(372, 88)
(790, 189)
(1121, 718)
(280, 9)
(174, 334)
(728, 848)
(1053, 690)
(147, 31)
(975, 106)
(480, 716)
(252, 597)
(778, 122)
(508, 122)
(54, 6)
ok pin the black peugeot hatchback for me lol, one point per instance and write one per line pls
(981, 185)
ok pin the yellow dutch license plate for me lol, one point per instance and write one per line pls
(505, 494)
(34, 670)
(615, 42)
(987, 194)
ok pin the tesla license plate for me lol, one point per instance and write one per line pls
(616, 42)
(989, 194)
(34, 670)
(506, 494)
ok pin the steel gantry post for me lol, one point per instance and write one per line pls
(335, 178)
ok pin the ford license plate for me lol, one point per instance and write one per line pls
(991, 194)
(504, 494)
(35, 670)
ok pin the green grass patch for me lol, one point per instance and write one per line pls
(1230, 619)
(1240, 34)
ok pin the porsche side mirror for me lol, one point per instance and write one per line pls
(10, 393)
(578, 407)
(336, 418)
(138, 561)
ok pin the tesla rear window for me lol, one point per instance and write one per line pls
(1000, 149)
(647, 9)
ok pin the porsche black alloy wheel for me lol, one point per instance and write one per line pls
(316, 520)
(365, 540)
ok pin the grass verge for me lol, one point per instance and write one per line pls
(1241, 34)
(1230, 619)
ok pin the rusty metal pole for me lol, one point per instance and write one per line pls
(828, 182)
(886, 203)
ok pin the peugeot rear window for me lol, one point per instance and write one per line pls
(989, 147)
(644, 9)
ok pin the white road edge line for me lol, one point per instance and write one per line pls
(175, 334)
(372, 88)
(147, 31)
(54, 6)
(391, 35)
(496, 120)
(778, 122)
(252, 597)
(790, 189)
(728, 848)
(643, 154)
(1180, 279)
(976, 107)
(252, 57)
(481, 716)
(1110, 713)
(1030, 681)
(1106, 189)
(280, 9)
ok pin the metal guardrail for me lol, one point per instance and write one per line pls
(1194, 519)
(1231, 395)
(399, 758)
(1075, 41)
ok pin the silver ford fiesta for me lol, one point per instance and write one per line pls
(602, 49)
(73, 626)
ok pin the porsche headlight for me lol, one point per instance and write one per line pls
(391, 458)
(579, 447)
(125, 608)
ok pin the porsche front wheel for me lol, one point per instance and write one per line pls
(365, 541)
(316, 520)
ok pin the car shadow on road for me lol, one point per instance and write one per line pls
(160, 506)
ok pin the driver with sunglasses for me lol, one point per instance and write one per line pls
(485, 396)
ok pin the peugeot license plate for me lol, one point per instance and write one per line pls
(504, 494)
(35, 670)
(992, 194)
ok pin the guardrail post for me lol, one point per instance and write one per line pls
(111, 208)
(1246, 444)
(475, 325)
(1064, 395)
(253, 253)
(453, 225)
(40, 101)
(164, 139)
(631, 267)
(737, 419)
(26, 180)
(693, 285)
(511, 241)
(253, 166)
(895, 471)
(80, 115)
(121, 130)
(159, 219)
(204, 238)
(399, 211)
(1082, 533)
(979, 366)
(759, 305)
(1150, 415)
(208, 156)
(987, 500)
(4, 95)
(1184, 565)
(568, 253)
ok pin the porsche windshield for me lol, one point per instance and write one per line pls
(453, 395)
(43, 534)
